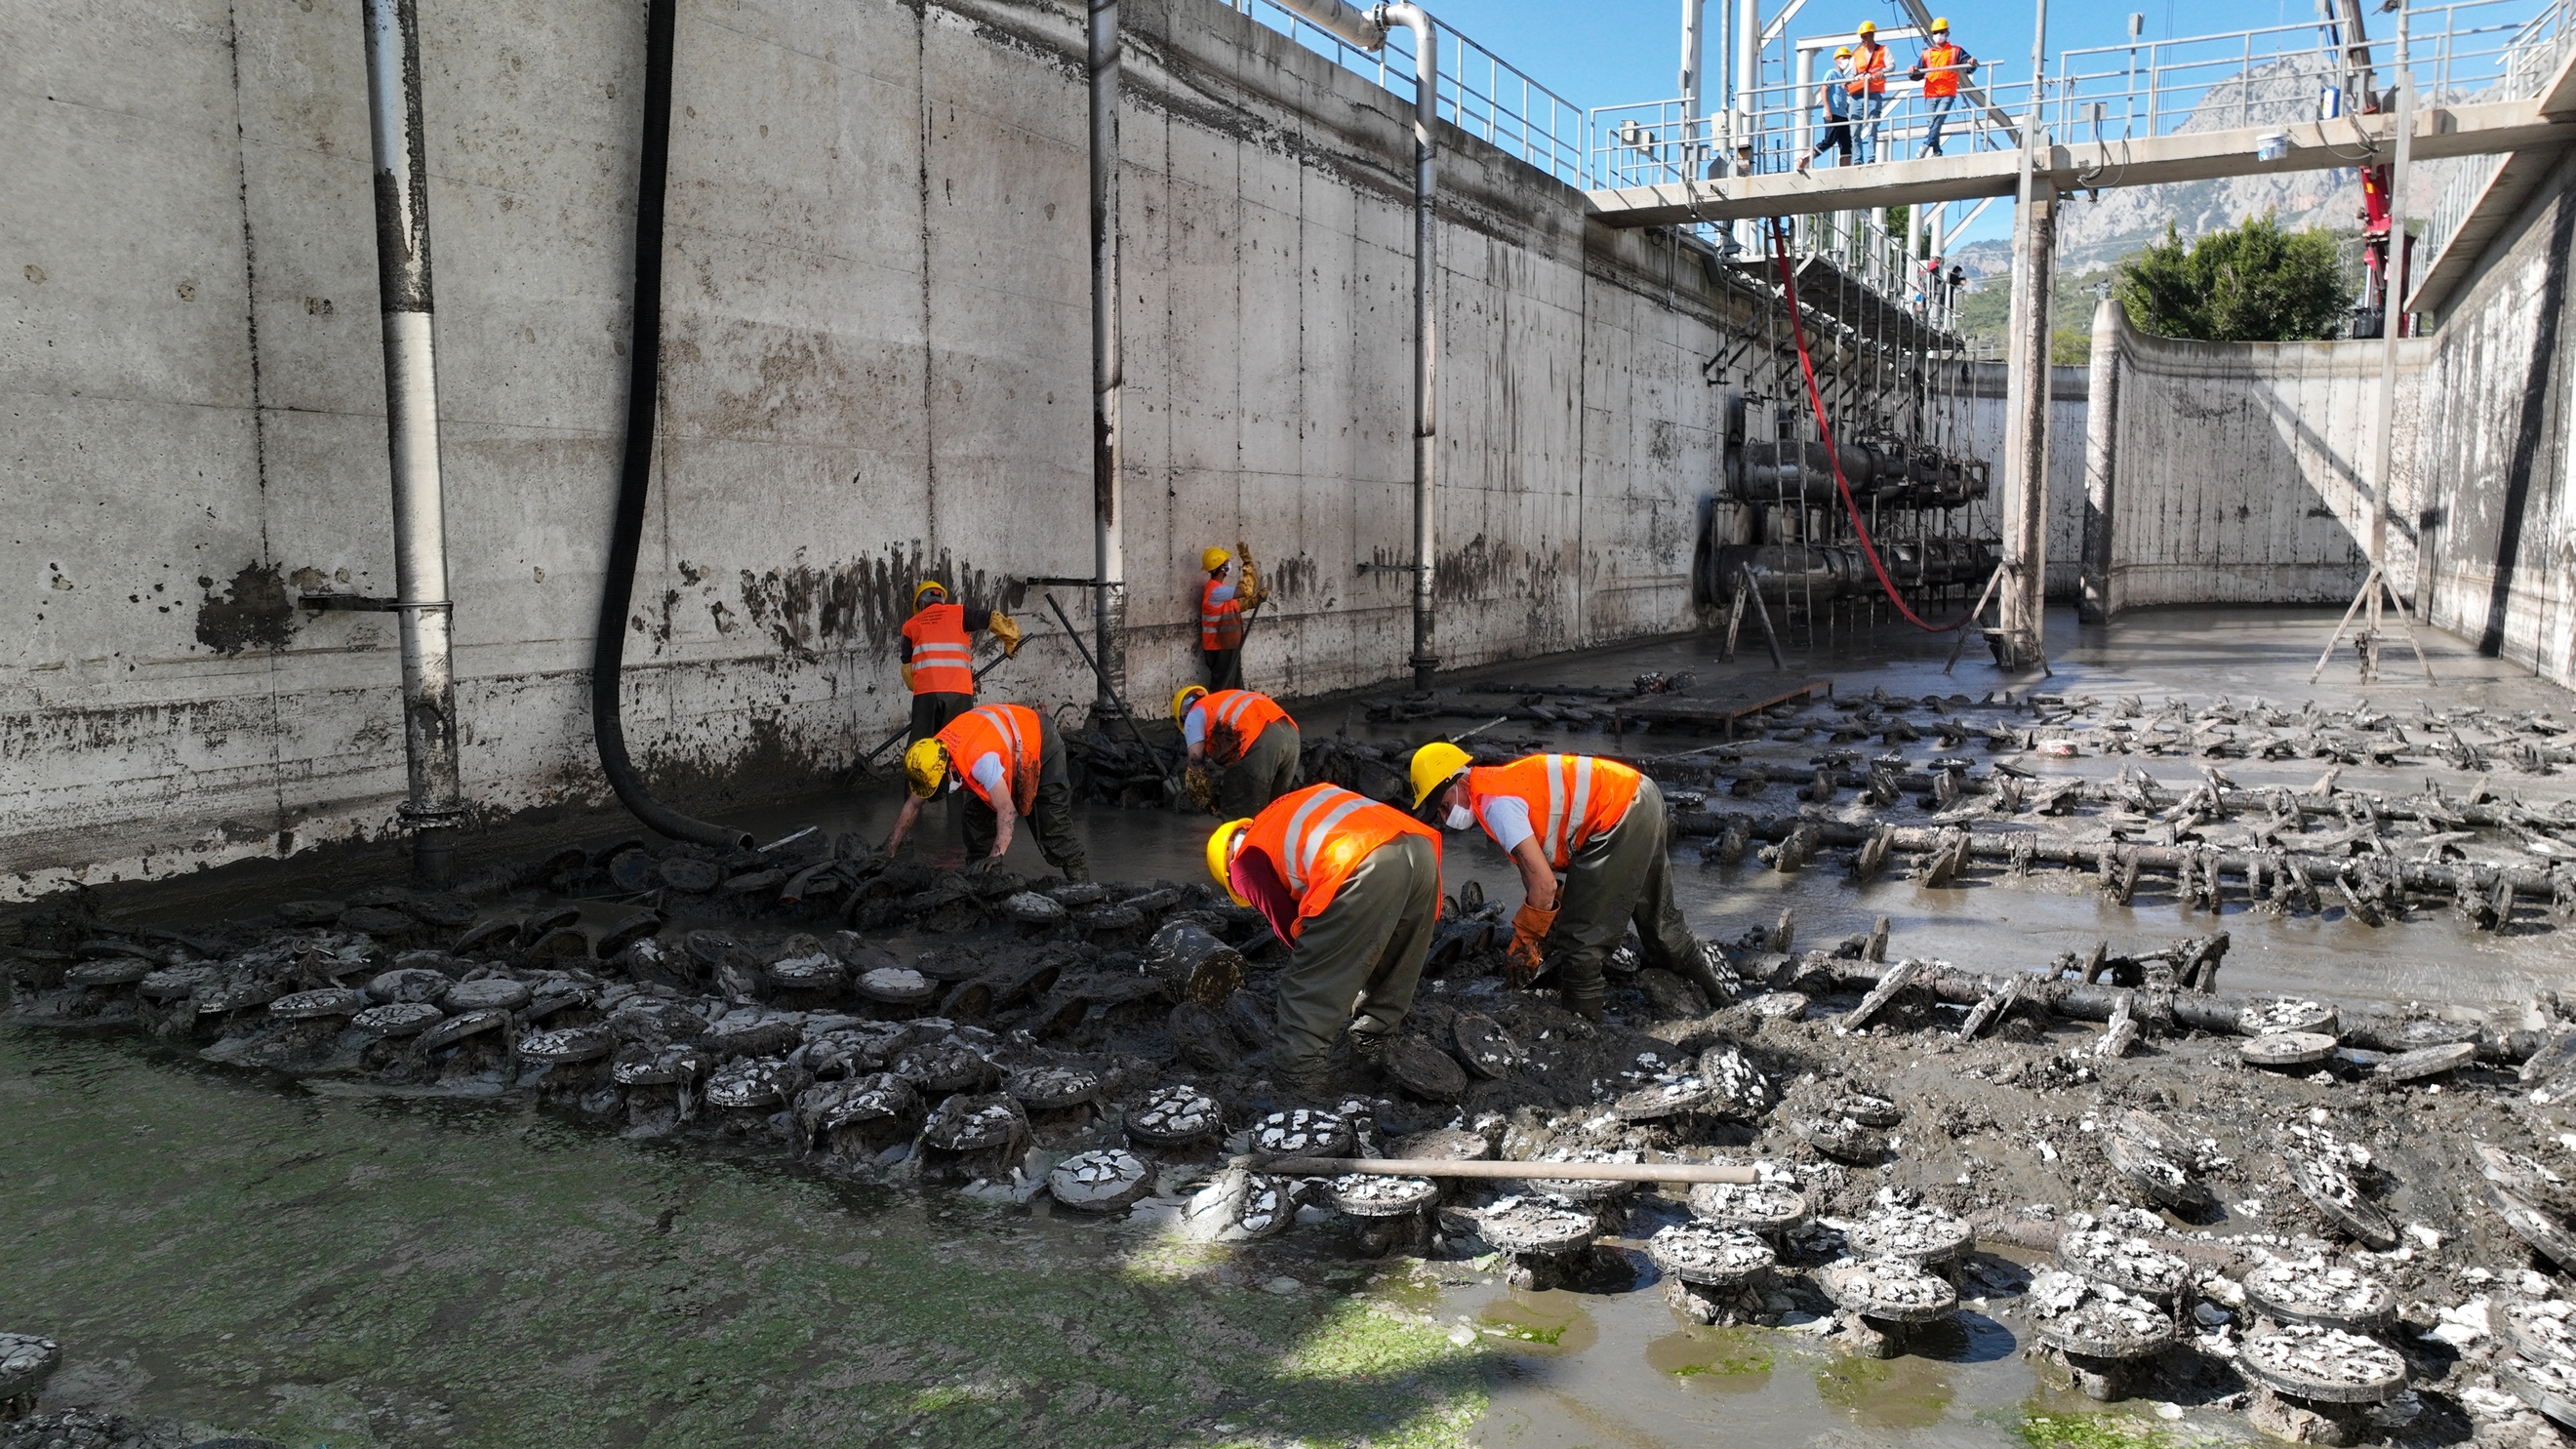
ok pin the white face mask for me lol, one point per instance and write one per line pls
(1460, 817)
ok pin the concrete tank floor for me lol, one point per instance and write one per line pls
(343, 1270)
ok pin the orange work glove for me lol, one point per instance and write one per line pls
(1530, 926)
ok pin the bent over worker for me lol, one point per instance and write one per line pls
(1253, 744)
(1353, 887)
(1007, 759)
(1221, 626)
(1601, 825)
(938, 651)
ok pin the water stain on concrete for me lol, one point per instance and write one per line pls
(253, 613)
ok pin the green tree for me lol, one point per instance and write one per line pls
(2251, 283)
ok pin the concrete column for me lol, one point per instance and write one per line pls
(2101, 460)
(2025, 540)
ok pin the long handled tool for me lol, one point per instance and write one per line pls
(1735, 1172)
(1171, 787)
(872, 756)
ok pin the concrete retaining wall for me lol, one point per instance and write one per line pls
(876, 368)
(1983, 417)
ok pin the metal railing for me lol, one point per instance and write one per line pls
(2533, 57)
(1480, 93)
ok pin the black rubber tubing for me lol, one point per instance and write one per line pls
(635, 483)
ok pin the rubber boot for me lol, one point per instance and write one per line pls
(1699, 970)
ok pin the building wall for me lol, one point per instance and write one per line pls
(2243, 471)
(876, 368)
(2499, 513)
(1980, 407)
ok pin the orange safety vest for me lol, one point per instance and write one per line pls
(943, 658)
(1011, 730)
(1869, 67)
(1220, 625)
(1242, 711)
(1316, 837)
(1939, 77)
(1571, 798)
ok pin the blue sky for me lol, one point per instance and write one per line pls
(1606, 52)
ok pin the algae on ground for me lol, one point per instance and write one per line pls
(371, 1273)
(2098, 1431)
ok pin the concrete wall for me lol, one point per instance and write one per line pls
(1979, 408)
(876, 367)
(2243, 471)
(2499, 510)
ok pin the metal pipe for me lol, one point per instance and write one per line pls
(1426, 317)
(1363, 28)
(435, 804)
(1735, 1172)
(2101, 462)
(1693, 138)
(1108, 365)
(635, 476)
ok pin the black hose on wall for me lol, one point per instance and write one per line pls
(634, 485)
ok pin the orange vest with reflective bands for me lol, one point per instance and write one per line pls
(1939, 79)
(1571, 798)
(1010, 730)
(1316, 837)
(1869, 70)
(1220, 625)
(1245, 713)
(943, 658)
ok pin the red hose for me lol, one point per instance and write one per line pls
(1833, 456)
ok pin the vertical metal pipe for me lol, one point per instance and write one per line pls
(1108, 366)
(1694, 136)
(1426, 319)
(436, 800)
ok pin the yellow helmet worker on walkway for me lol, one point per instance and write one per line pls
(1011, 766)
(938, 653)
(1941, 66)
(1600, 823)
(1253, 743)
(1353, 888)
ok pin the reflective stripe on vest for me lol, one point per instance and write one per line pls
(1316, 837)
(1242, 711)
(1010, 730)
(1580, 798)
(1939, 76)
(943, 658)
(1220, 624)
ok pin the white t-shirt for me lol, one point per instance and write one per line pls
(1507, 819)
(1194, 725)
(988, 772)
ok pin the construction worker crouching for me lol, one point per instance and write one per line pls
(1221, 625)
(1353, 888)
(1006, 757)
(938, 652)
(1600, 823)
(1253, 743)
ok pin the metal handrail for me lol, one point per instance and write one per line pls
(2535, 53)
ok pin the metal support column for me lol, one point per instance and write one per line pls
(1108, 368)
(2101, 463)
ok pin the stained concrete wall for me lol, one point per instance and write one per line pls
(1978, 392)
(2243, 472)
(876, 367)
(2498, 516)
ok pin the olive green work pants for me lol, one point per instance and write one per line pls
(1361, 958)
(1623, 874)
(1267, 771)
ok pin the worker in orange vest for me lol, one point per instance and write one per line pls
(1868, 87)
(1353, 888)
(938, 652)
(1254, 744)
(1008, 761)
(1943, 64)
(1221, 607)
(1604, 827)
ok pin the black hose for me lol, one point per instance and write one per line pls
(635, 484)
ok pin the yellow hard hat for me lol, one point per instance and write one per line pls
(1940, 23)
(928, 586)
(924, 766)
(1869, 27)
(1214, 559)
(1435, 765)
(1182, 696)
(1842, 52)
(1220, 845)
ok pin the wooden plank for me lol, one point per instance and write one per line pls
(1725, 709)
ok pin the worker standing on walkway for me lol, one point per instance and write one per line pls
(1941, 67)
(1253, 743)
(1353, 888)
(1868, 87)
(1601, 825)
(938, 652)
(1833, 102)
(1221, 607)
(1008, 760)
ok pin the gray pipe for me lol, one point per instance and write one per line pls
(1426, 316)
(436, 801)
(1108, 365)
(1365, 29)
